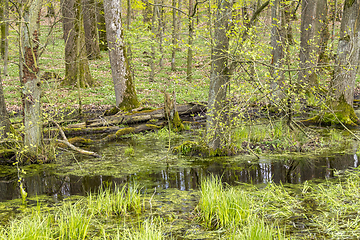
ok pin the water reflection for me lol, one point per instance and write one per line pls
(183, 178)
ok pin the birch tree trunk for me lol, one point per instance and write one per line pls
(29, 75)
(313, 17)
(347, 61)
(219, 78)
(124, 88)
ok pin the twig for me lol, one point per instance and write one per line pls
(66, 142)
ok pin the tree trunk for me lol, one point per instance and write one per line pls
(174, 39)
(91, 34)
(6, 44)
(124, 88)
(278, 44)
(2, 29)
(100, 19)
(29, 77)
(153, 40)
(313, 18)
(219, 78)
(343, 81)
(161, 29)
(4, 116)
(190, 42)
(76, 63)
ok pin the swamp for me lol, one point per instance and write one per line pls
(179, 119)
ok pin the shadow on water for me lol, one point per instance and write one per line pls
(151, 169)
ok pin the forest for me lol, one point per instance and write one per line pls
(198, 119)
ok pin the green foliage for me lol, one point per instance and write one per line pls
(121, 201)
(129, 151)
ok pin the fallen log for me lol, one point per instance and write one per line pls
(139, 117)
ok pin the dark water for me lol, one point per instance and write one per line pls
(150, 169)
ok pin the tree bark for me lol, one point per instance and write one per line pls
(124, 88)
(174, 35)
(91, 34)
(278, 54)
(29, 75)
(219, 77)
(6, 34)
(313, 18)
(347, 61)
(4, 116)
(76, 63)
(100, 19)
(190, 42)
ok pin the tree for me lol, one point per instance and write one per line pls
(76, 64)
(347, 61)
(277, 43)
(91, 35)
(4, 116)
(313, 19)
(29, 69)
(219, 77)
(124, 88)
(100, 18)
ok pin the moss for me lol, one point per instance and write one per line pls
(124, 131)
(177, 123)
(342, 113)
(153, 126)
(112, 111)
(80, 140)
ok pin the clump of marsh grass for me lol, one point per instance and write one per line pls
(148, 230)
(120, 201)
(232, 208)
(68, 222)
(328, 210)
(72, 222)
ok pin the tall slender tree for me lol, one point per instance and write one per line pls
(126, 97)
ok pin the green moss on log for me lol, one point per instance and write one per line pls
(124, 131)
(80, 140)
(153, 126)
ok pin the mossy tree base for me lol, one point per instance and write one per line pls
(342, 113)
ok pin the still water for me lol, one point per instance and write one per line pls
(152, 166)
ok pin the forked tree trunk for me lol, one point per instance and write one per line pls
(313, 17)
(29, 69)
(347, 61)
(76, 63)
(219, 78)
(124, 88)
(91, 34)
